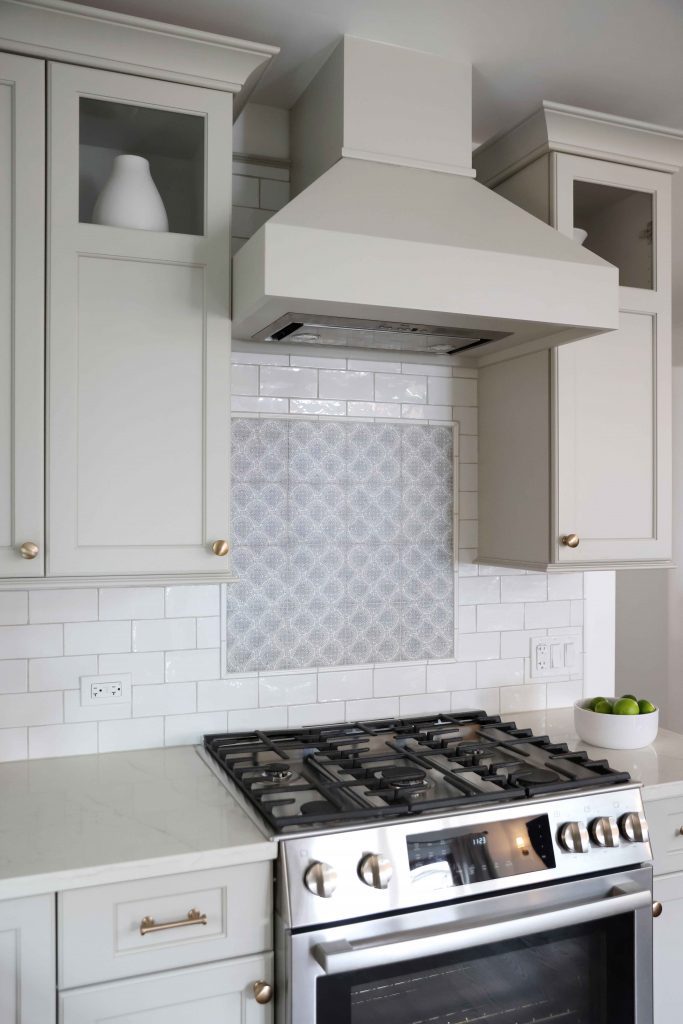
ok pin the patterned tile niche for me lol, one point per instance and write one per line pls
(343, 543)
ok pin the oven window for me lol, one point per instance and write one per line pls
(580, 975)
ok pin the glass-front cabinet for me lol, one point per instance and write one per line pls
(593, 443)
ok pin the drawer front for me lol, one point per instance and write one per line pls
(117, 931)
(213, 994)
(665, 818)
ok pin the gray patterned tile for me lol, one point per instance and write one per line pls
(317, 513)
(259, 512)
(317, 452)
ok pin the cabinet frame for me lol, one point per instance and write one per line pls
(25, 78)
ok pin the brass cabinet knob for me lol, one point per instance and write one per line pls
(263, 992)
(657, 909)
(220, 548)
(29, 549)
(571, 540)
(680, 831)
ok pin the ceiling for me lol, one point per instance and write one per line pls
(618, 56)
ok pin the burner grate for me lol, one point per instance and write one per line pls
(329, 776)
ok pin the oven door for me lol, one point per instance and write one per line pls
(575, 953)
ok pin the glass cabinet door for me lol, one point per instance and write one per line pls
(578, 975)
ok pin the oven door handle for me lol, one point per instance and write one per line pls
(339, 957)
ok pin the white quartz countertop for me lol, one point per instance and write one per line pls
(658, 767)
(71, 822)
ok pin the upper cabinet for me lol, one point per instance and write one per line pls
(22, 215)
(575, 443)
(136, 458)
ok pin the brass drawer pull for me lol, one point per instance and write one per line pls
(29, 549)
(571, 540)
(263, 992)
(220, 548)
(148, 924)
(657, 909)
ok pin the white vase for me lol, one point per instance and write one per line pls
(130, 199)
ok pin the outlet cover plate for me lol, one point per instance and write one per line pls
(555, 655)
(90, 685)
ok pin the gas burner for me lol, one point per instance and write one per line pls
(530, 775)
(365, 772)
(276, 772)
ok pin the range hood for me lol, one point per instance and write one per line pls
(390, 243)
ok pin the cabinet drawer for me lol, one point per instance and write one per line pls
(665, 819)
(213, 994)
(108, 931)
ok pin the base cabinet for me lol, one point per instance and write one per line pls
(27, 960)
(667, 945)
(220, 993)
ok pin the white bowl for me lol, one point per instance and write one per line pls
(616, 732)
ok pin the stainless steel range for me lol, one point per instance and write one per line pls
(447, 870)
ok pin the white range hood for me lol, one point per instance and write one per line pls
(390, 242)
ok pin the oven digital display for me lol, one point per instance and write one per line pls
(500, 849)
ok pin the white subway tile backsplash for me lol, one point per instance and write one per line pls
(576, 614)
(441, 391)
(143, 668)
(74, 711)
(563, 695)
(209, 631)
(377, 707)
(318, 362)
(344, 684)
(468, 533)
(182, 666)
(316, 407)
(525, 588)
(165, 699)
(184, 729)
(131, 603)
(478, 646)
(164, 634)
(60, 673)
(287, 688)
(455, 676)
(468, 477)
(373, 409)
(245, 191)
(469, 448)
(421, 704)
(261, 406)
(227, 694)
(375, 365)
(13, 676)
(398, 680)
(13, 744)
(257, 718)
(464, 392)
(428, 369)
(62, 605)
(426, 412)
(289, 382)
(244, 379)
(531, 697)
(467, 618)
(477, 700)
(31, 709)
(346, 384)
(246, 352)
(499, 617)
(274, 194)
(31, 641)
(503, 672)
(467, 419)
(517, 643)
(302, 715)
(400, 387)
(14, 608)
(551, 613)
(62, 740)
(130, 734)
(96, 637)
(563, 586)
(479, 590)
(183, 602)
(245, 220)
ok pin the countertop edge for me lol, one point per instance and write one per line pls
(130, 871)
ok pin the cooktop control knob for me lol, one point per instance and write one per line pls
(604, 832)
(375, 870)
(574, 837)
(321, 879)
(634, 828)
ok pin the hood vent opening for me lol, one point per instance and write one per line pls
(377, 334)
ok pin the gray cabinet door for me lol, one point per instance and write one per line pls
(139, 333)
(22, 205)
(27, 960)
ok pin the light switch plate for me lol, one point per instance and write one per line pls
(555, 655)
(100, 690)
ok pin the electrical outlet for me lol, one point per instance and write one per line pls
(96, 690)
(555, 655)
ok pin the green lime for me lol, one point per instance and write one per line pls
(602, 706)
(629, 696)
(626, 706)
(596, 700)
(646, 708)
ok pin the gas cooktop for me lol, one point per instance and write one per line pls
(338, 775)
